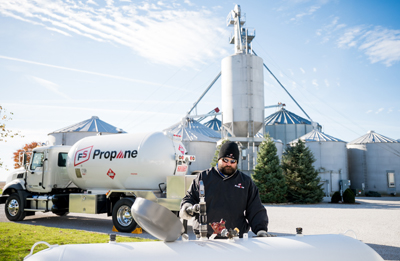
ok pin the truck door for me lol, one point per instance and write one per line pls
(34, 177)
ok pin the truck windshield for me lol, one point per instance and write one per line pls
(62, 159)
(37, 160)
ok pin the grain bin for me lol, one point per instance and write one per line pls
(374, 163)
(331, 158)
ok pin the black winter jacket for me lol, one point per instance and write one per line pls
(234, 199)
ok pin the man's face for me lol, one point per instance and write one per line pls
(227, 166)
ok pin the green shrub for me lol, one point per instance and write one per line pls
(336, 197)
(372, 194)
(348, 196)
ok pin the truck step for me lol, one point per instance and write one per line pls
(36, 210)
(37, 199)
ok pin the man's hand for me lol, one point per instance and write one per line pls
(263, 233)
(183, 214)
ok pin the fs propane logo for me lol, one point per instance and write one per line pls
(114, 154)
(82, 155)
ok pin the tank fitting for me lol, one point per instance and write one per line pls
(299, 231)
(113, 238)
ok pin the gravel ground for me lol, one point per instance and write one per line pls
(374, 221)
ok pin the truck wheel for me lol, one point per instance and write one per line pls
(122, 216)
(13, 208)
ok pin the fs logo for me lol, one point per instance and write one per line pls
(181, 149)
(82, 155)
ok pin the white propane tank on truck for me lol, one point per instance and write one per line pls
(139, 161)
(101, 174)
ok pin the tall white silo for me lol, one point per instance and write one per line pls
(374, 163)
(243, 94)
(242, 81)
(242, 85)
(331, 158)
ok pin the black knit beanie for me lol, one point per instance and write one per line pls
(229, 150)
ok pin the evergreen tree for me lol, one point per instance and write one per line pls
(268, 175)
(216, 154)
(303, 182)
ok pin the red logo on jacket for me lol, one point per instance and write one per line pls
(239, 186)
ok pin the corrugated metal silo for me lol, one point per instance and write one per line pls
(90, 127)
(198, 140)
(242, 84)
(331, 158)
(374, 163)
(287, 126)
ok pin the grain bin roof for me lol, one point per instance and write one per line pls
(317, 136)
(284, 116)
(93, 124)
(213, 124)
(192, 130)
(373, 137)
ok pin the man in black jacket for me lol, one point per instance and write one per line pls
(229, 194)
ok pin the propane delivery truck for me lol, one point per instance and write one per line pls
(100, 174)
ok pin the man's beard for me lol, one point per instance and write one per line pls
(227, 170)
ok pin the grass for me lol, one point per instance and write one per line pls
(16, 239)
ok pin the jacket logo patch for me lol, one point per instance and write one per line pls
(239, 186)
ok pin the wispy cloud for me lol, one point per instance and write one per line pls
(309, 11)
(348, 39)
(94, 73)
(379, 44)
(382, 45)
(327, 31)
(327, 83)
(369, 111)
(51, 86)
(163, 32)
(379, 111)
(315, 83)
(302, 70)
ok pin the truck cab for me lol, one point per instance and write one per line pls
(47, 170)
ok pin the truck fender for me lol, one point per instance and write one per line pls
(16, 186)
(13, 187)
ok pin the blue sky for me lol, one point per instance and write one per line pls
(140, 65)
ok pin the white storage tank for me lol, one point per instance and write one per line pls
(90, 127)
(198, 140)
(287, 126)
(242, 83)
(331, 158)
(126, 161)
(374, 163)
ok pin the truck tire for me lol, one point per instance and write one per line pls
(13, 208)
(122, 216)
